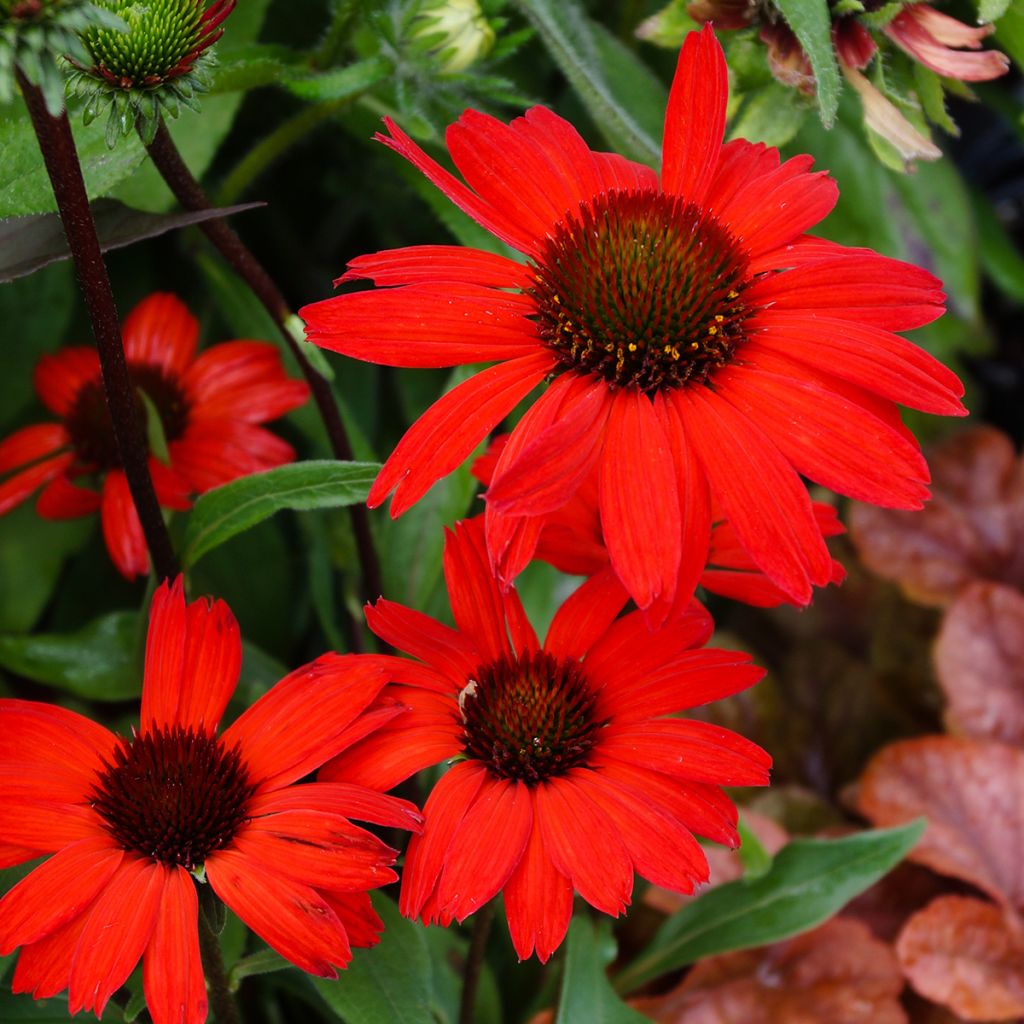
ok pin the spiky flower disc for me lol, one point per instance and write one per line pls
(160, 60)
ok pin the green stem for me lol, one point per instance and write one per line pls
(221, 1002)
(475, 962)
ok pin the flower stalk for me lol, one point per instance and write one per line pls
(475, 961)
(190, 194)
(57, 145)
(225, 1011)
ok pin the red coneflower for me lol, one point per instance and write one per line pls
(701, 345)
(571, 773)
(128, 821)
(209, 409)
(570, 539)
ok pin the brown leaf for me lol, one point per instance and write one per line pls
(973, 796)
(973, 528)
(836, 974)
(979, 659)
(885, 907)
(963, 953)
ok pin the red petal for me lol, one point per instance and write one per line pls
(835, 442)
(689, 680)
(172, 970)
(406, 629)
(43, 969)
(540, 475)
(739, 162)
(445, 808)
(160, 331)
(294, 727)
(538, 902)
(17, 488)
(775, 208)
(452, 427)
(60, 378)
(688, 749)
(31, 443)
(193, 657)
(309, 847)
(339, 798)
(290, 917)
(662, 850)
(584, 845)
(877, 360)
(521, 634)
(216, 451)
(805, 249)
(57, 891)
(243, 380)
(424, 325)
(639, 499)
(619, 174)
(868, 289)
(357, 916)
(34, 736)
(512, 542)
(122, 530)
(486, 848)
(695, 118)
(117, 930)
(914, 32)
(476, 602)
(505, 226)
(62, 499)
(433, 264)
(46, 827)
(585, 616)
(758, 491)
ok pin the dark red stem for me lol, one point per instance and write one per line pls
(57, 145)
(190, 194)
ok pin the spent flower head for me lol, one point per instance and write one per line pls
(159, 60)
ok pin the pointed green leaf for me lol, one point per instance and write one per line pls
(225, 511)
(812, 25)
(809, 881)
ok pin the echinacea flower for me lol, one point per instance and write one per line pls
(571, 770)
(129, 822)
(700, 345)
(209, 406)
(570, 540)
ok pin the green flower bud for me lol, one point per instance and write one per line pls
(456, 31)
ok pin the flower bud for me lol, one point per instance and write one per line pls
(456, 31)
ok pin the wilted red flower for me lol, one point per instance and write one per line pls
(209, 409)
(702, 346)
(570, 540)
(571, 774)
(128, 821)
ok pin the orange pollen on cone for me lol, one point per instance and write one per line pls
(173, 795)
(529, 719)
(92, 431)
(643, 289)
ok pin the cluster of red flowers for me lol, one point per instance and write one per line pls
(703, 354)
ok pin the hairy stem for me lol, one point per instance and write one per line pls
(221, 1001)
(190, 194)
(475, 962)
(57, 145)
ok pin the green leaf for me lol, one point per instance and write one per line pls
(226, 511)
(772, 114)
(24, 186)
(812, 25)
(669, 26)
(1010, 33)
(32, 554)
(586, 994)
(624, 99)
(809, 881)
(155, 435)
(390, 982)
(990, 10)
(756, 860)
(31, 242)
(98, 662)
(23, 1009)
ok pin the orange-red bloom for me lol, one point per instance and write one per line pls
(570, 539)
(209, 406)
(572, 772)
(129, 821)
(703, 348)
